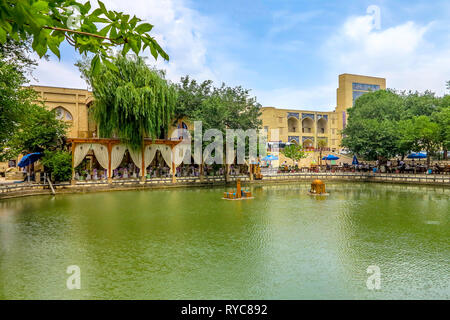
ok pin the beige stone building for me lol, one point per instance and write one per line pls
(286, 125)
(308, 127)
(72, 106)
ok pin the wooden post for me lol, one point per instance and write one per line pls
(143, 162)
(109, 163)
(73, 162)
(238, 191)
(174, 168)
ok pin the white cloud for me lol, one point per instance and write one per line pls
(404, 54)
(57, 74)
(319, 98)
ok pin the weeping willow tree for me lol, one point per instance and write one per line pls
(132, 101)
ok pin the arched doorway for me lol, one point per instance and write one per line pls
(293, 124)
(308, 144)
(307, 125)
(322, 126)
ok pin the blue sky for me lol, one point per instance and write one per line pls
(289, 52)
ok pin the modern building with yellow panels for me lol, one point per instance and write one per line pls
(309, 127)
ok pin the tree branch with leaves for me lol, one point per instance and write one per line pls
(50, 22)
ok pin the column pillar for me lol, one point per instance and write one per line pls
(174, 168)
(73, 162)
(143, 162)
(109, 163)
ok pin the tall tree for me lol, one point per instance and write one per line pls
(442, 118)
(38, 130)
(218, 108)
(15, 100)
(321, 144)
(132, 101)
(420, 104)
(294, 152)
(423, 134)
(371, 131)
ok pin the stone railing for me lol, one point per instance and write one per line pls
(23, 189)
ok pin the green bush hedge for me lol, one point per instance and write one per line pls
(59, 164)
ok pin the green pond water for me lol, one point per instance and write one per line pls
(190, 244)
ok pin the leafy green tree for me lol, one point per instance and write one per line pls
(420, 104)
(422, 134)
(15, 99)
(59, 164)
(191, 95)
(50, 22)
(442, 118)
(37, 131)
(131, 103)
(218, 108)
(371, 131)
(294, 152)
(321, 144)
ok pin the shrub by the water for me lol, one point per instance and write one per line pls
(59, 164)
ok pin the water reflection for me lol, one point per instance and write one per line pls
(284, 244)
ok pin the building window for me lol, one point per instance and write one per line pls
(63, 114)
(365, 87)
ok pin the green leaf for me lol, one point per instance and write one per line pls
(102, 7)
(95, 65)
(110, 65)
(153, 51)
(40, 6)
(134, 45)
(143, 28)
(55, 50)
(85, 9)
(2, 35)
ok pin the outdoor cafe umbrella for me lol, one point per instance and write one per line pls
(355, 161)
(270, 158)
(418, 155)
(330, 157)
(29, 159)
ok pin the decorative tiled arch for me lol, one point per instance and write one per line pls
(293, 115)
(308, 115)
(307, 138)
(295, 138)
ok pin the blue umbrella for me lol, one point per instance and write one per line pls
(419, 155)
(355, 161)
(269, 158)
(29, 159)
(330, 157)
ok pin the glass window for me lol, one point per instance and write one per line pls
(365, 87)
(63, 114)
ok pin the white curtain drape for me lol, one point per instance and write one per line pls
(117, 153)
(150, 153)
(166, 153)
(136, 156)
(80, 153)
(101, 154)
(180, 152)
